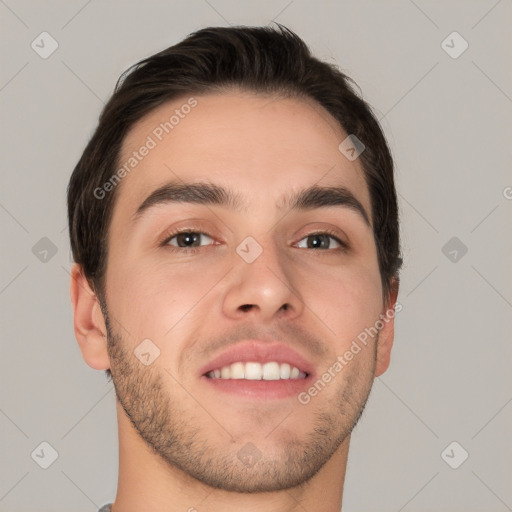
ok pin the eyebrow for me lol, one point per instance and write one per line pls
(212, 194)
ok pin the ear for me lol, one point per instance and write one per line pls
(387, 332)
(89, 324)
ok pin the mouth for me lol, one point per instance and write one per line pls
(255, 369)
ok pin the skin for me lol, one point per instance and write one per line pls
(179, 438)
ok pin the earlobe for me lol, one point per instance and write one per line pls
(387, 332)
(88, 321)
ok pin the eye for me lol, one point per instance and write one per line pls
(187, 239)
(321, 241)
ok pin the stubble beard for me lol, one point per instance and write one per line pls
(173, 433)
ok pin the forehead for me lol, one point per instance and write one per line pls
(261, 146)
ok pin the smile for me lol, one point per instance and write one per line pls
(251, 370)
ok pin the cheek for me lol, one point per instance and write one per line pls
(156, 300)
(346, 301)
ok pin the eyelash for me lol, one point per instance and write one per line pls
(344, 247)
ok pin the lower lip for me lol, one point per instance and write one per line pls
(260, 389)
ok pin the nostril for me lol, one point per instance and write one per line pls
(246, 307)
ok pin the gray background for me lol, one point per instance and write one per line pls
(448, 121)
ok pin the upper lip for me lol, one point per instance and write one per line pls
(259, 352)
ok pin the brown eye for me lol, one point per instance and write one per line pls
(320, 241)
(187, 239)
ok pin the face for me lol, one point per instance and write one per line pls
(224, 315)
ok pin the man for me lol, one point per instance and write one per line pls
(235, 230)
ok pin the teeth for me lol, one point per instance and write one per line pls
(284, 371)
(257, 371)
(237, 371)
(252, 371)
(271, 371)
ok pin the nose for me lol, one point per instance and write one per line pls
(262, 289)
